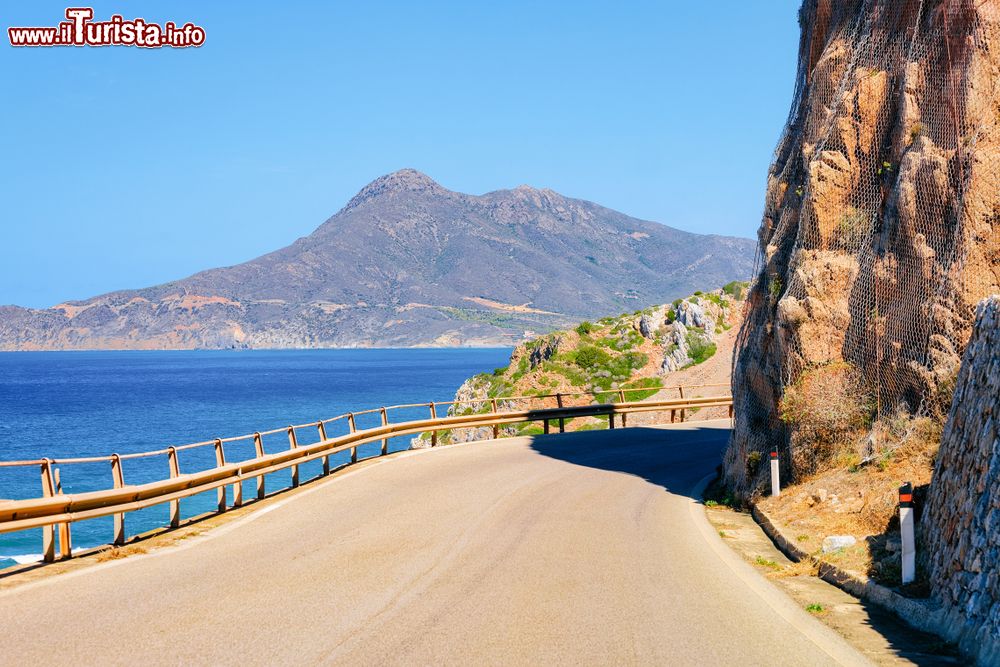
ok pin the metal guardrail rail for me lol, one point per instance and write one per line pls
(55, 511)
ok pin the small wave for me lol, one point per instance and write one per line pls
(23, 559)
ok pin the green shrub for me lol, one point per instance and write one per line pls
(522, 369)
(584, 328)
(571, 373)
(774, 287)
(735, 289)
(647, 386)
(588, 356)
(700, 347)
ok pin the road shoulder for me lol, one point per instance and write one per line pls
(877, 634)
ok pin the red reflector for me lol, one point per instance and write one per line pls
(906, 497)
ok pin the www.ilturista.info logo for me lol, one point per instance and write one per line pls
(80, 30)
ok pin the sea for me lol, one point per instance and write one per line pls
(76, 404)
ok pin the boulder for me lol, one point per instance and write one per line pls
(838, 542)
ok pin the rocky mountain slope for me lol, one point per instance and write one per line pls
(881, 230)
(406, 262)
(686, 342)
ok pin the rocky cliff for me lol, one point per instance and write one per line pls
(961, 525)
(881, 228)
(406, 262)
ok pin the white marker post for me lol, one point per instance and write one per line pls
(906, 531)
(775, 479)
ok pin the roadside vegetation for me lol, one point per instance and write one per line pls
(602, 360)
(853, 463)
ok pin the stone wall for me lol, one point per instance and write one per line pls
(961, 525)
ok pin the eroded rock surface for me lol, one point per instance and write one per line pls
(881, 228)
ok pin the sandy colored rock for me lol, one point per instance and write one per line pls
(881, 228)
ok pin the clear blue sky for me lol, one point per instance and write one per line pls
(124, 167)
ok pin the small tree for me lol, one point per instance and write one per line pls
(589, 356)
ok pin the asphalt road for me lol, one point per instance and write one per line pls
(571, 549)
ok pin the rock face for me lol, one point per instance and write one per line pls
(407, 262)
(694, 323)
(961, 525)
(881, 228)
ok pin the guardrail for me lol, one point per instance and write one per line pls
(55, 511)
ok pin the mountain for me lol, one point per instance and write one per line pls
(406, 263)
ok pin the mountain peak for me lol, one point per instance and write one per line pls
(407, 262)
(398, 182)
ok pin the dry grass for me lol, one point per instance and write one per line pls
(827, 408)
(802, 568)
(117, 553)
(858, 495)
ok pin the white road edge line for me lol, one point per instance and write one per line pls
(826, 639)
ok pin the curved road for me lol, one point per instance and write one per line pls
(564, 549)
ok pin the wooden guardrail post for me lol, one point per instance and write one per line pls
(351, 425)
(118, 477)
(258, 450)
(545, 426)
(293, 443)
(65, 529)
(322, 438)
(496, 427)
(680, 388)
(562, 421)
(434, 433)
(621, 395)
(48, 532)
(611, 417)
(175, 471)
(385, 441)
(220, 460)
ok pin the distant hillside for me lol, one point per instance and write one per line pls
(646, 353)
(406, 263)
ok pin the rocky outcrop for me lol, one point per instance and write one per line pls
(651, 322)
(881, 228)
(472, 397)
(961, 526)
(693, 325)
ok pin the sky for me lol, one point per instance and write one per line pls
(123, 167)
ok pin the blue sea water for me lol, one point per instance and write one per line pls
(72, 404)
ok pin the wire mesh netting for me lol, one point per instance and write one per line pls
(880, 229)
